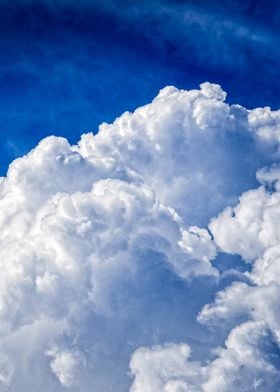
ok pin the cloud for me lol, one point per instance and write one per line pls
(251, 229)
(187, 27)
(165, 369)
(106, 257)
(249, 362)
(64, 365)
(181, 129)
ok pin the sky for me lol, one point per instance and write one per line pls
(67, 66)
(140, 196)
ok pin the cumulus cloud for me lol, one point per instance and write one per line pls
(251, 229)
(249, 362)
(176, 145)
(164, 368)
(106, 256)
(65, 365)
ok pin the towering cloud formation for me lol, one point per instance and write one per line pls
(107, 261)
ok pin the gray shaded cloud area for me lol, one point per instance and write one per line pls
(145, 258)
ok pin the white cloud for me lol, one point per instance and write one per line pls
(251, 227)
(65, 365)
(165, 369)
(243, 301)
(265, 123)
(103, 250)
(250, 361)
(183, 145)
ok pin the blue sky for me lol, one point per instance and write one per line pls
(67, 66)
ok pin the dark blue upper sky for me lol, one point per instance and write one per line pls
(66, 66)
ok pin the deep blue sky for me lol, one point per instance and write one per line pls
(66, 66)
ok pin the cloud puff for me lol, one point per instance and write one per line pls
(64, 365)
(249, 362)
(164, 368)
(105, 250)
(176, 145)
(251, 229)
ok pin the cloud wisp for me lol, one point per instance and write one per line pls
(108, 261)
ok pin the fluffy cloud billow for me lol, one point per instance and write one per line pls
(129, 262)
